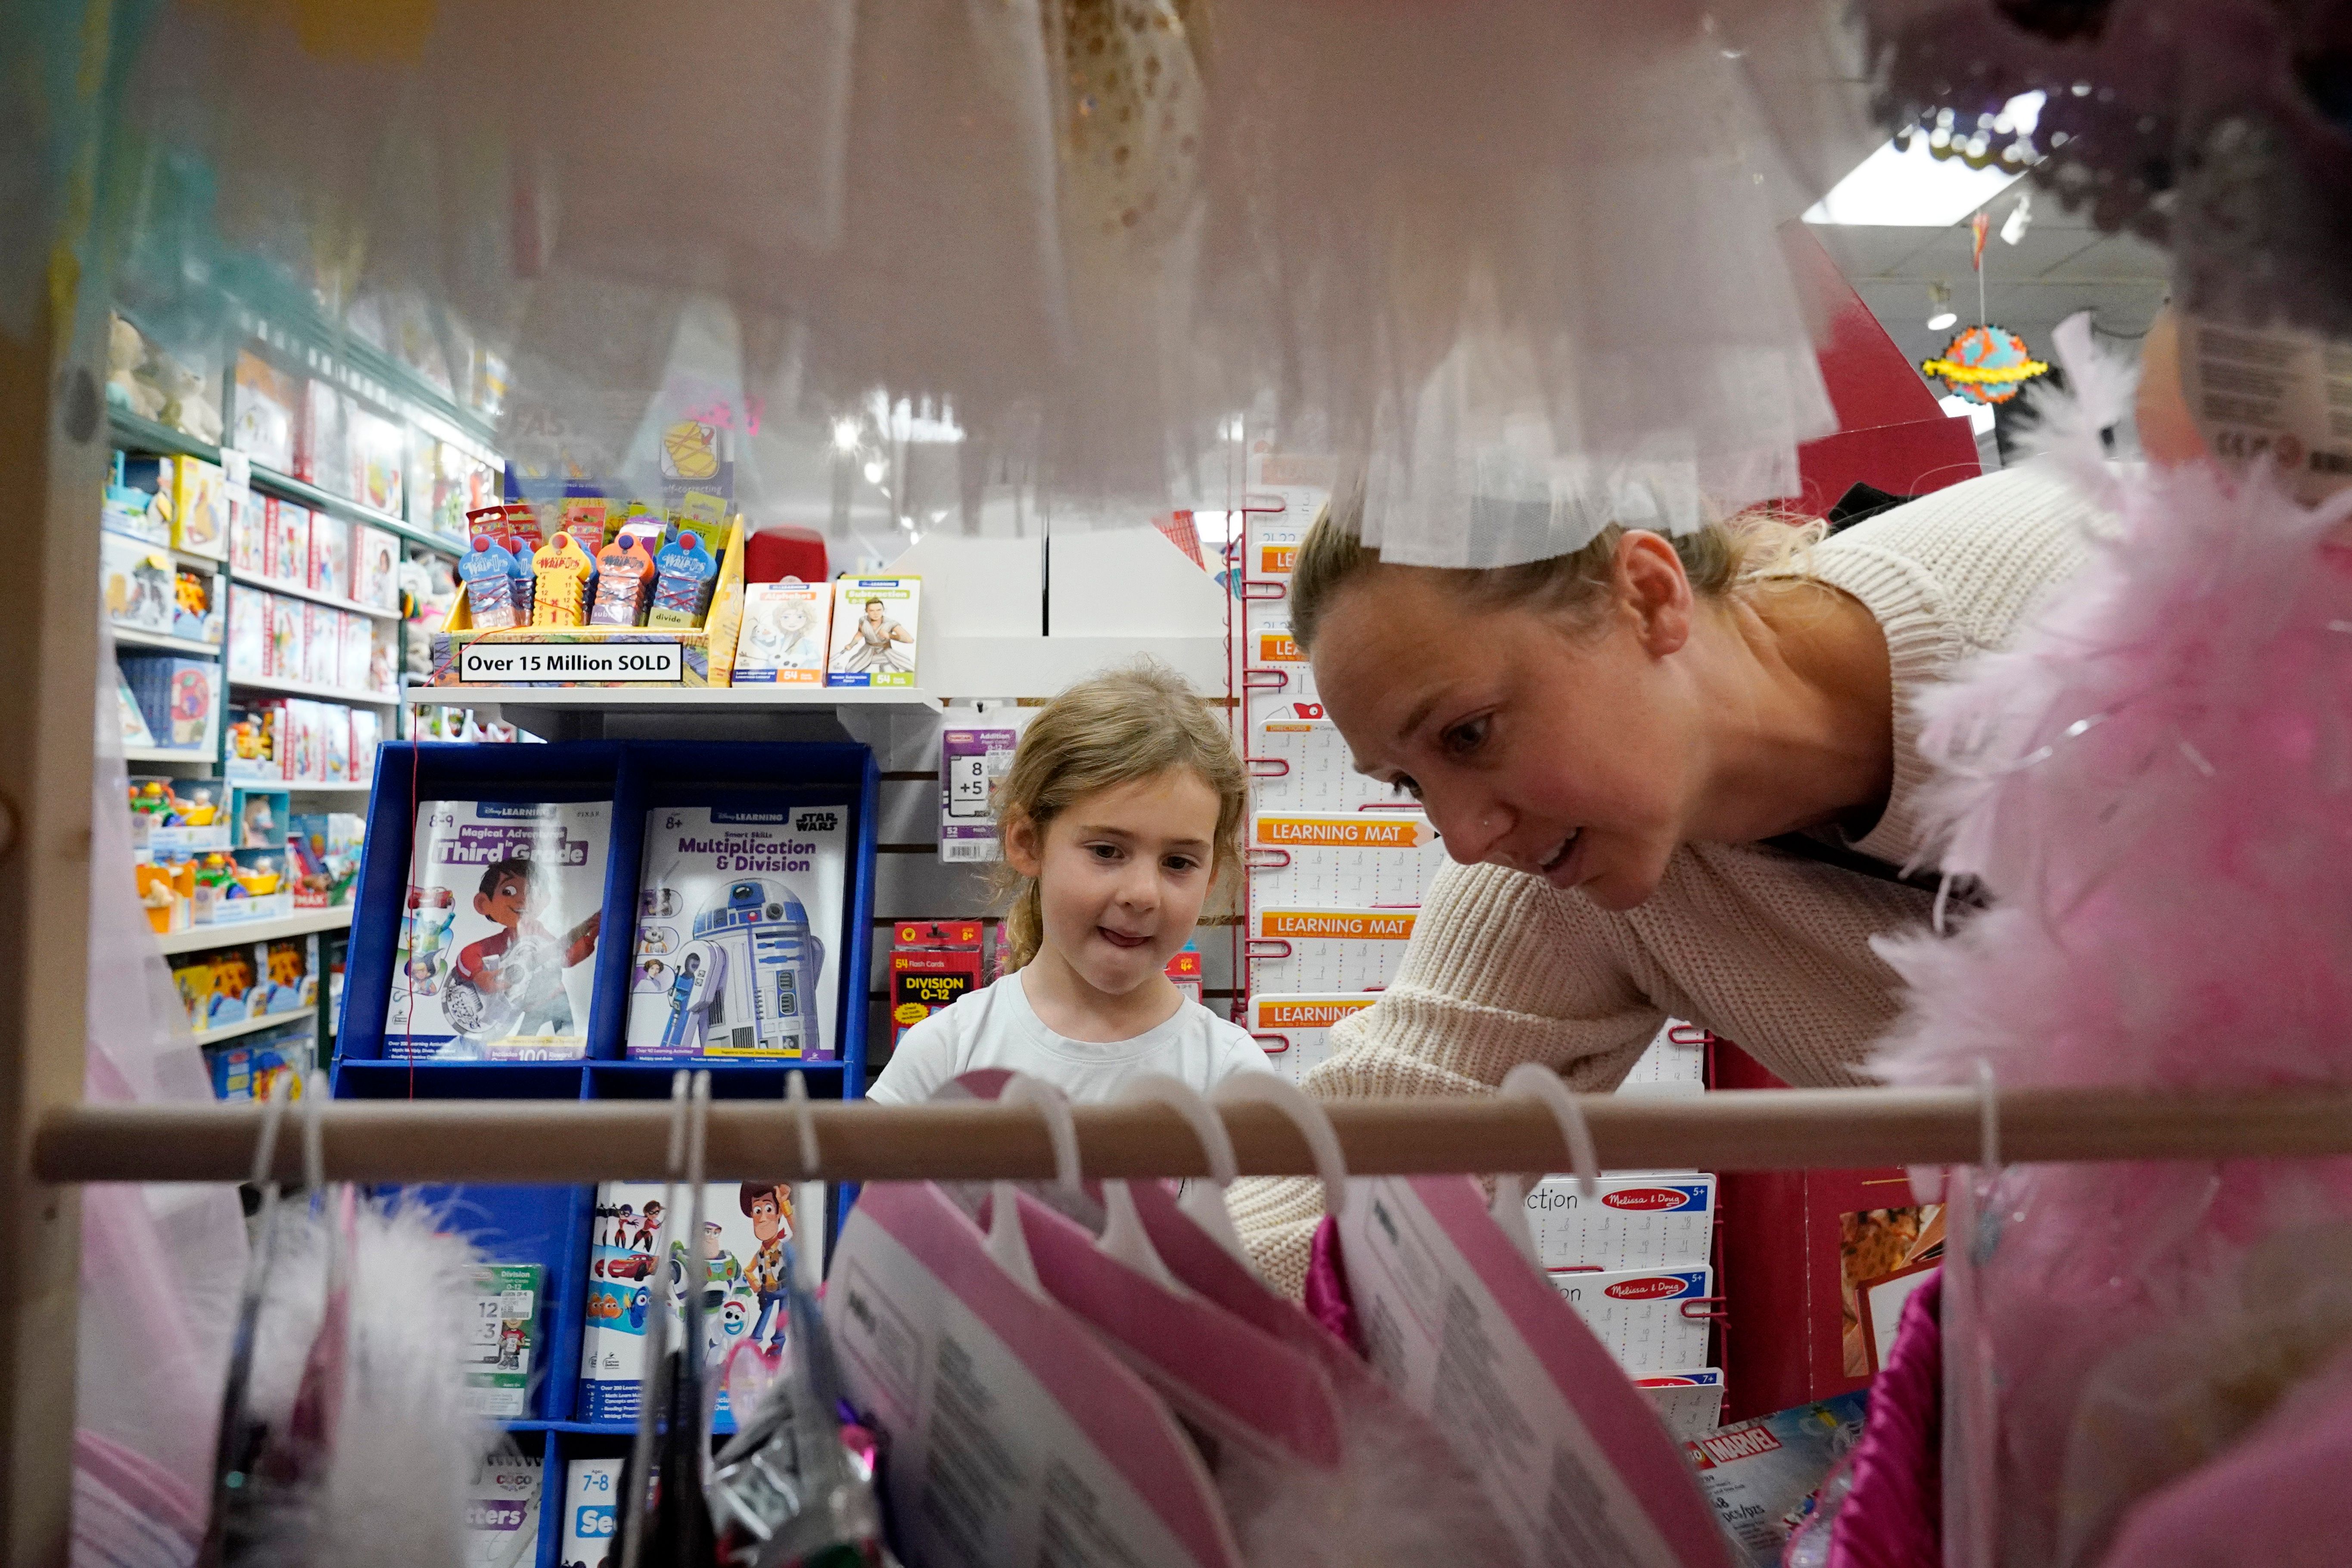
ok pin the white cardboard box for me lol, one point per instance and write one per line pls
(1638, 1312)
(1293, 949)
(1647, 1220)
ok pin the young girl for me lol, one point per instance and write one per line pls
(1122, 809)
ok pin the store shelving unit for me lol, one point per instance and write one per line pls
(228, 1031)
(130, 637)
(135, 434)
(302, 922)
(299, 591)
(686, 713)
(306, 688)
(168, 754)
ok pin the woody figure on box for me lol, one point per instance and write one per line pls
(770, 1208)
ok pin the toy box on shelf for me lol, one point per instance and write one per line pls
(598, 654)
(225, 985)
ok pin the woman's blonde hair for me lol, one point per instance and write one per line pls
(1718, 557)
(1109, 729)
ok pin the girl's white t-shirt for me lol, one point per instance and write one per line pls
(996, 1027)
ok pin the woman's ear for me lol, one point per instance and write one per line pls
(1023, 844)
(1653, 590)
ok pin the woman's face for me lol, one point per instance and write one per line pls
(1569, 750)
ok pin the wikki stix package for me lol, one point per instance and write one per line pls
(497, 931)
(1565, 1449)
(738, 918)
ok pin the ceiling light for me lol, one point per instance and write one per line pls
(1941, 320)
(2020, 216)
(844, 436)
(874, 470)
(1905, 185)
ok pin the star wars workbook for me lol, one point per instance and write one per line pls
(738, 915)
(497, 931)
(743, 1279)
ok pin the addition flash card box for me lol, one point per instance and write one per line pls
(499, 921)
(972, 762)
(1643, 1221)
(738, 915)
(1294, 1030)
(1638, 1312)
(592, 1513)
(1357, 860)
(1293, 950)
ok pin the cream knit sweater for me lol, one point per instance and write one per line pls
(1761, 947)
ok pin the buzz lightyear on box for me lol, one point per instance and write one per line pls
(738, 918)
(496, 930)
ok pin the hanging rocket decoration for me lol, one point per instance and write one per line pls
(1985, 364)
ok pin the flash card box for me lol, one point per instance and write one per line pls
(1651, 1320)
(1357, 861)
(501, 914)
(1295, 949)
(1637, 1221)
(1294, 1030)
(506, 1336)
(782, 641)
(739, 931)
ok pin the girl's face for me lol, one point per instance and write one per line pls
(872, 615)
(1121, 876)
(1571, 751)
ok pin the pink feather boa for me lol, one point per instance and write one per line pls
(2155, 785)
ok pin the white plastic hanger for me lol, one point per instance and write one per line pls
(1006, 1244)
(1202, 1201)
(1533, 1080)
(1322, 1139)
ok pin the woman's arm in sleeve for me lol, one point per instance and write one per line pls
(1501, 970)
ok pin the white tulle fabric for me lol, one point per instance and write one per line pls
(1518, 257)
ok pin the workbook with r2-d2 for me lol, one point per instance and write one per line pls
(739, 928)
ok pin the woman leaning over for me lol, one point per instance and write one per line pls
(1675, 778)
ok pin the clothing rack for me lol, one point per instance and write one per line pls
(1755, 1130)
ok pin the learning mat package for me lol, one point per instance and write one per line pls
(738, 918)
(497, 931)
(1470, 1334)
(745, 1226)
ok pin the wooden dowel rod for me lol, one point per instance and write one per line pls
(573, 1141)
